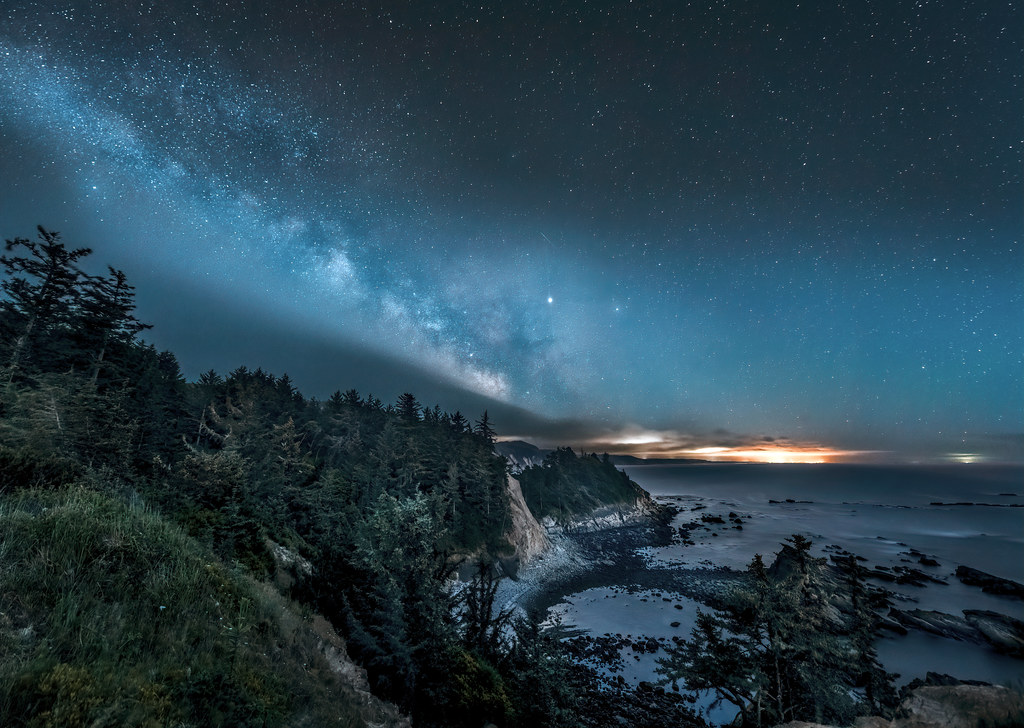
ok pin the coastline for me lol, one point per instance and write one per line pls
(610, 557)
(626, 559)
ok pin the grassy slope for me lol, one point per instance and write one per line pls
(110, 615)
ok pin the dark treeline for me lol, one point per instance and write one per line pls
(565, 486)
(374, 506)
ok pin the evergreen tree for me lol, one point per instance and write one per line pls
(41, 290)
(482, 628)
(868, 673)
(485, 430)
(105, 316)
(459, 423)
(772, 650)
(408, 408)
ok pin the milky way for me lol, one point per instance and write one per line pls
(703, 225)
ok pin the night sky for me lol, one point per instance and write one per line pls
(643, 226)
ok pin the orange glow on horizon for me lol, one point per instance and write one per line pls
(787, 454)
(650, 444)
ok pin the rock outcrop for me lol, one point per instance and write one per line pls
(526, 535)
(1004, 633)
(998, 631)
(948, 706)
(375, 711)
(938, 623)
(989, 583)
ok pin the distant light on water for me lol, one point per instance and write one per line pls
(668, 444)
(965, 457)
(771, 454)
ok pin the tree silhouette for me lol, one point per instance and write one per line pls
(408, 408)
(485, 430)
(41, 288)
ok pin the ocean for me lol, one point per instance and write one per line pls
(881, 513)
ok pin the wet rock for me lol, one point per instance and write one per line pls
(1005, 634)
(989, 583)
(939, 623)
(892, 625)
(915, 577)
(937, 678)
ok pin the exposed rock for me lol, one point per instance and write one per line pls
(947, 706)
(288, 565)
(1005, 634)
(960, 706)
(989, 583)
(870, 721)
(525, 534)
(940, 623)
(936, 678)
(377, 712)
(521, 454)
(607, 517)
(890, 624)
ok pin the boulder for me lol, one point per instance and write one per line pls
(960, 706)
(947, 706)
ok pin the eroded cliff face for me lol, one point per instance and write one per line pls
(525, 534)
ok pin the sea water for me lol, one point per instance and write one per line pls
(877, 512)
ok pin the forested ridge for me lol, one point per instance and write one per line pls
(144, 518)
(212, 552)
(565, 487)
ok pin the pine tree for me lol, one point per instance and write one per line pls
(485, 430)
(772, 649)
(41, 290)
(105, 316)
(482, 628)
(408, 408)
(868, 673)
(459, 423)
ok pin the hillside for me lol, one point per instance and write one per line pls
(113, 616)
(168, 546)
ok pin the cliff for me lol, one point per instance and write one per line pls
(526, 535)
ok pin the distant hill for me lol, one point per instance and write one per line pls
(633, 460)
(524, 454)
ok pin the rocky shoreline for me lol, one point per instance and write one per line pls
(583, 557)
